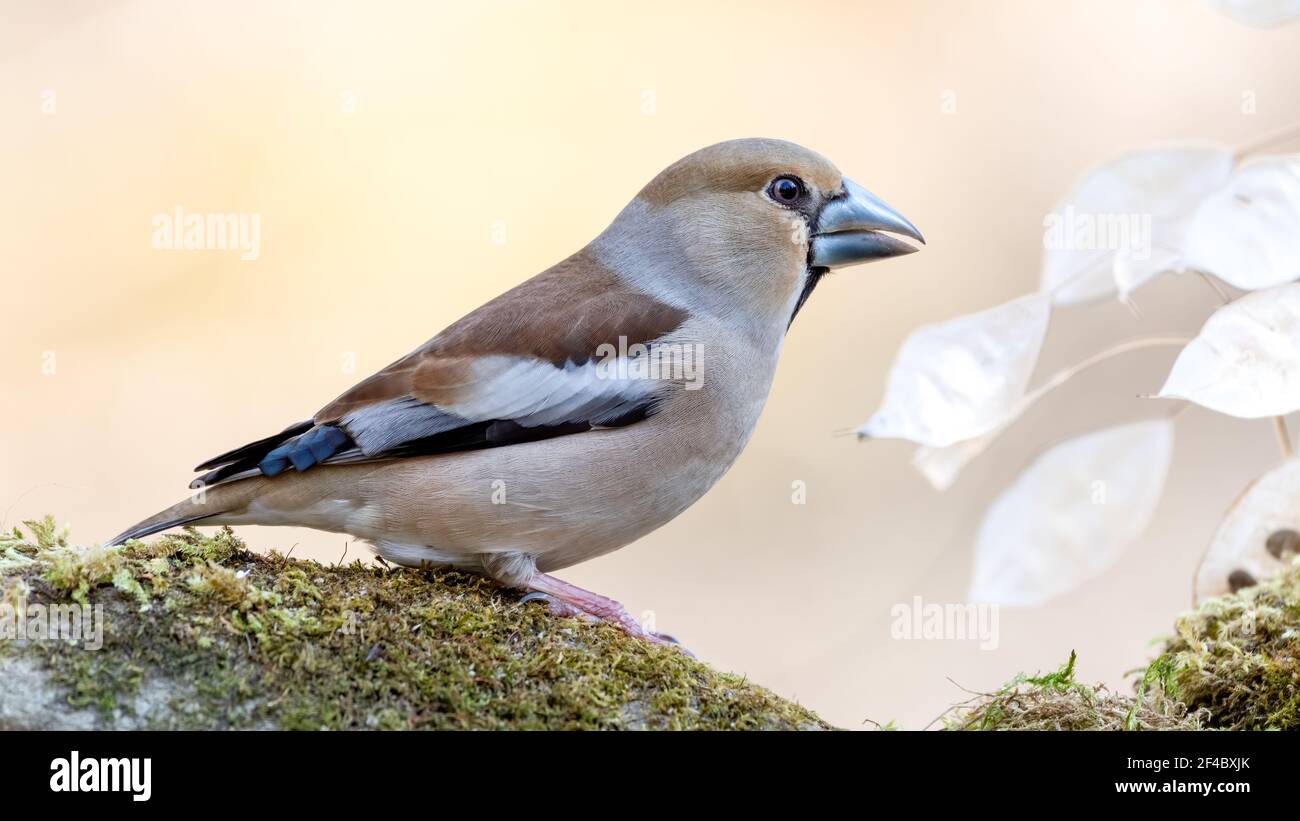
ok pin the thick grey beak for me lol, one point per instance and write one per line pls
(849, 230)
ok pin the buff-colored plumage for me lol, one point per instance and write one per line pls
(501, 447)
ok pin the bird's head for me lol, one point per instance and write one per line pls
(751, 225)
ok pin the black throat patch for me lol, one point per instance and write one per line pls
(810, 281)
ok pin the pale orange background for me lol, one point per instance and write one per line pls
(376, 233)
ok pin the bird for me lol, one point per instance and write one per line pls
(585, 407)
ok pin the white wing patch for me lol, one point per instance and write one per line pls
(528, 392)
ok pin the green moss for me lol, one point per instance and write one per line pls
(1233, 663)
(1238, 657)
(201, 633)
(1057, 701)
(74, 571)
(15, 552)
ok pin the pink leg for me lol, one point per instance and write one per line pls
(570, 600)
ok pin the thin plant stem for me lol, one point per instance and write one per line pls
(1281, 135)
(1283, 437)
(1066, 374)
(1213, 283)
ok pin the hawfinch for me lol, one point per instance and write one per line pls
(583, 408)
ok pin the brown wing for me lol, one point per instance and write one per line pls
(561, 315)
(517, 369)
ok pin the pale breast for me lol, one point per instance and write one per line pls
(574, 497)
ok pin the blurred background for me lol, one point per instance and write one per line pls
(409, 161)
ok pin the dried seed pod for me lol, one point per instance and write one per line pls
(1239, 579)
(1259, 536)
(1283, 543)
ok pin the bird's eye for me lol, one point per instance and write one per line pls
(786, 189)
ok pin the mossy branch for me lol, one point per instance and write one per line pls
(200, 633)
(1233, 663)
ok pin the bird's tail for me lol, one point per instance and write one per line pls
(205, 507)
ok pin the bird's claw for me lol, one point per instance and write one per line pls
(563, 609)
(671, 641)
(556, 607)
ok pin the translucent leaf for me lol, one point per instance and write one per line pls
(1259, 536)
(1261, 14)
(941, 466)
(1248, 232)
(1071, 513)
(1133, 270)
(1125, 220)
(962, 378)
(1246, 360)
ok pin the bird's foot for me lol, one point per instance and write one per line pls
(567, 600)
